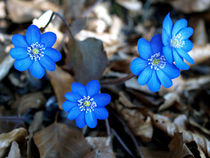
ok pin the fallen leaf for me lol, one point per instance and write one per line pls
(6, 139)
(178, 148)
(88, 59)
(30, 100)
(14, 151)
(59, 141)
(61, 82)
(152, 153)
(101, 146)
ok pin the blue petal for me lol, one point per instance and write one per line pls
(185, 55)
(188, 45)
(171, 71)
(102, 99)
(179, 61)
(90, 119)
(67, 105)
(33, 34)
(180, 24)
(47, 63)
(48, 39)
(93, 88)
(74, 113)
(37, 70)
(165, 38)
(101, 113)
(23, 64)
(167, 52)
(78, 88)
(156, 43)
(53, 54)
(73, 97)
(186, 32)
(145, 75)
(154, 83)
(167, 24)
(18, 53)
(80, 120)
(144, 48)
(19, 41)
(164, 79)
(137, 65)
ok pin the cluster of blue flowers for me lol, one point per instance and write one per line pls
(161, 59)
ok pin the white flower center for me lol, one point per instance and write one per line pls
(35, 51)
(87, 104)
(177, 41)
(157, 62)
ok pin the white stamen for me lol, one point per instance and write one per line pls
(89, 108)
(157, 62)
(40, 53)
(177, 41)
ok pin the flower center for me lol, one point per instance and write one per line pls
(87, 104)
(157, 62)
(177, 41)
(35, 51)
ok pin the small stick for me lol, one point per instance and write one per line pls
(12, 118)
(119, 80)
(108, 131)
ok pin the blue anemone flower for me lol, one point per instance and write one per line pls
(152, 67)
(34, 51)
(86, 104)
(176, 42)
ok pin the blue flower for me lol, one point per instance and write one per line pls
(85, 104)
(34, 51)
(152, 67)
(176, 42)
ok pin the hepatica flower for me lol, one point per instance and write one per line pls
(34, 51)
(86, 104)
(176, 42)
(152, 67)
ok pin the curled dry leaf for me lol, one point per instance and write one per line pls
(61, 82)
(151, 153)
(167, 126)
(14, 151)
(101, 147)
(31, 100)
(140, 125)
(20, 11)
(178, 148)
(6, 139)
(59, 141)
(88, 59)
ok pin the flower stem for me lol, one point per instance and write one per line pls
(12, 118)
(119, 80)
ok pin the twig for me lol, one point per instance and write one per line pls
(108, 131)
(119, 80)
(122, 143)
(12, 118)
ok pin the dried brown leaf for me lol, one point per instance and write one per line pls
(31, 100)
(6, 139)
(178, 149)
(151, 153)
(14, 151)
(101, 147)
(61, 82)
(166, 125)
(59, 141)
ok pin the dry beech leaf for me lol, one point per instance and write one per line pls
(60, 141)
(166, 125)
(101, 147)
(151, 153)
(140, 125)
(14, 151)
(20, 11)
(31, 100)
(178, 149)
(88, 59)
(6, 139)
(61, 82)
